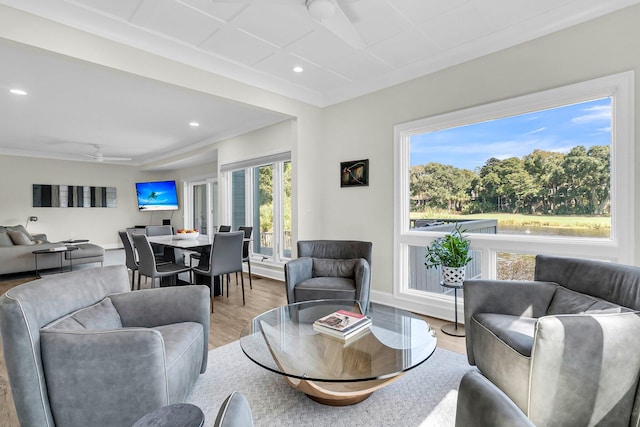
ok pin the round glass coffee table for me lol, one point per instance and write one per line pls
(327, 369)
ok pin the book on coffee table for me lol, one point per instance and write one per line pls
(342, 324)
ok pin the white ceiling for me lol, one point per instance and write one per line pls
(253, 41)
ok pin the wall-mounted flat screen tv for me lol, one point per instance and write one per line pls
(157, 196)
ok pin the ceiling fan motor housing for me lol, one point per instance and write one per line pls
(321, 9)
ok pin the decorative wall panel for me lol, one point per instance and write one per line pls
(73, 196)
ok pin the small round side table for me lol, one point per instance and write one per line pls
(454, 329)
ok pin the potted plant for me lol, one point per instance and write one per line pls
(450, 252)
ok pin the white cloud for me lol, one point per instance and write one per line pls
(542, 129)
(597, 113)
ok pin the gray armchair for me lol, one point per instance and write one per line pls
(563, 348)
(329, 269)
(82, 349)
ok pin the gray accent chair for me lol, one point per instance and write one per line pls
(81, 349)
(234, 412)
(563, 348)
(329, 269)
(482, 404)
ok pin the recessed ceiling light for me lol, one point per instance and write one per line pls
(298, 69)
(17, 91)
(194, 124)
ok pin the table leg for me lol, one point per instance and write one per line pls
(37, 274)
(454, 329)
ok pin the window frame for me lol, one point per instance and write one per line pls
(620, 247)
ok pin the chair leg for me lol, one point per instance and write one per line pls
(133, 279)
(227, 286)
(249, 265)
(242, 278)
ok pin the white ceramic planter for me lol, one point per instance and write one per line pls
(453, 275)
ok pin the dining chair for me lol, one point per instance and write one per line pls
(245, 250)
(225, 257)
(224, 229)
(147, 264)
(160, 252)
(131, 260)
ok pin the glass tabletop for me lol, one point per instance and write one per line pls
(283, 340)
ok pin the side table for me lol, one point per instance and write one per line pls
(454, 329)
(60, 250)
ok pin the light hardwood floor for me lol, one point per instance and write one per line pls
(227, 321)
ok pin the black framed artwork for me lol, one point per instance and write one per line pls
(354, 173)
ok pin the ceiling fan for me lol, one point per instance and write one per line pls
(98, 156)
(328, 13)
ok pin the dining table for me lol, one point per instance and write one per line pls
(201, 244)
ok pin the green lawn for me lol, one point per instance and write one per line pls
(520, 220)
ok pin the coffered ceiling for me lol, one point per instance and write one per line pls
(364, 46)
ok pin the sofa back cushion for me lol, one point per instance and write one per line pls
(616, 283)
(566, 301)
(323, 267)
(102, 315)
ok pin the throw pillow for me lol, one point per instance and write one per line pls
(5, 240)
(19, 238)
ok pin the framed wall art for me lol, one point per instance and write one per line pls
(354, 173)
(73, 196)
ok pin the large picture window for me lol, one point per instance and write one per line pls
(543, 173)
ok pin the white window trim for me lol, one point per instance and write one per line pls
(619, 248)
(187, 191)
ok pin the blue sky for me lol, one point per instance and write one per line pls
(558, 130)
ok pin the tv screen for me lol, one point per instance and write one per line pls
(157, 196)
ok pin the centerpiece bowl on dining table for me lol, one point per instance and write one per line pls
(186, 235)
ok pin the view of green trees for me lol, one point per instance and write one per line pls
(266, 197)
(542, 182)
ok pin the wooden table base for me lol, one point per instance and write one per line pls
(339, 394)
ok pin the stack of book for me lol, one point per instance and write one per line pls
(342, 324)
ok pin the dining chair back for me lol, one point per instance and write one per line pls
(160, 252)
(225, 257)
(224, 229)
(147, 265)
(245, 250)
(131, 260)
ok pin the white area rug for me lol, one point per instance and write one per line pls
(425, 396)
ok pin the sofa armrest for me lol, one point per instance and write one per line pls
(120, 371)
(482, 404)
(516, 298)
(297, 271)
(584, 369)
(362, 278)
(163, 306)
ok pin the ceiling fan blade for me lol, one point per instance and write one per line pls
(340, 25)
(119, 159)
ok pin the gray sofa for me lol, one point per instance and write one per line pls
(17, 246)
(563, 348)
(83, 350)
